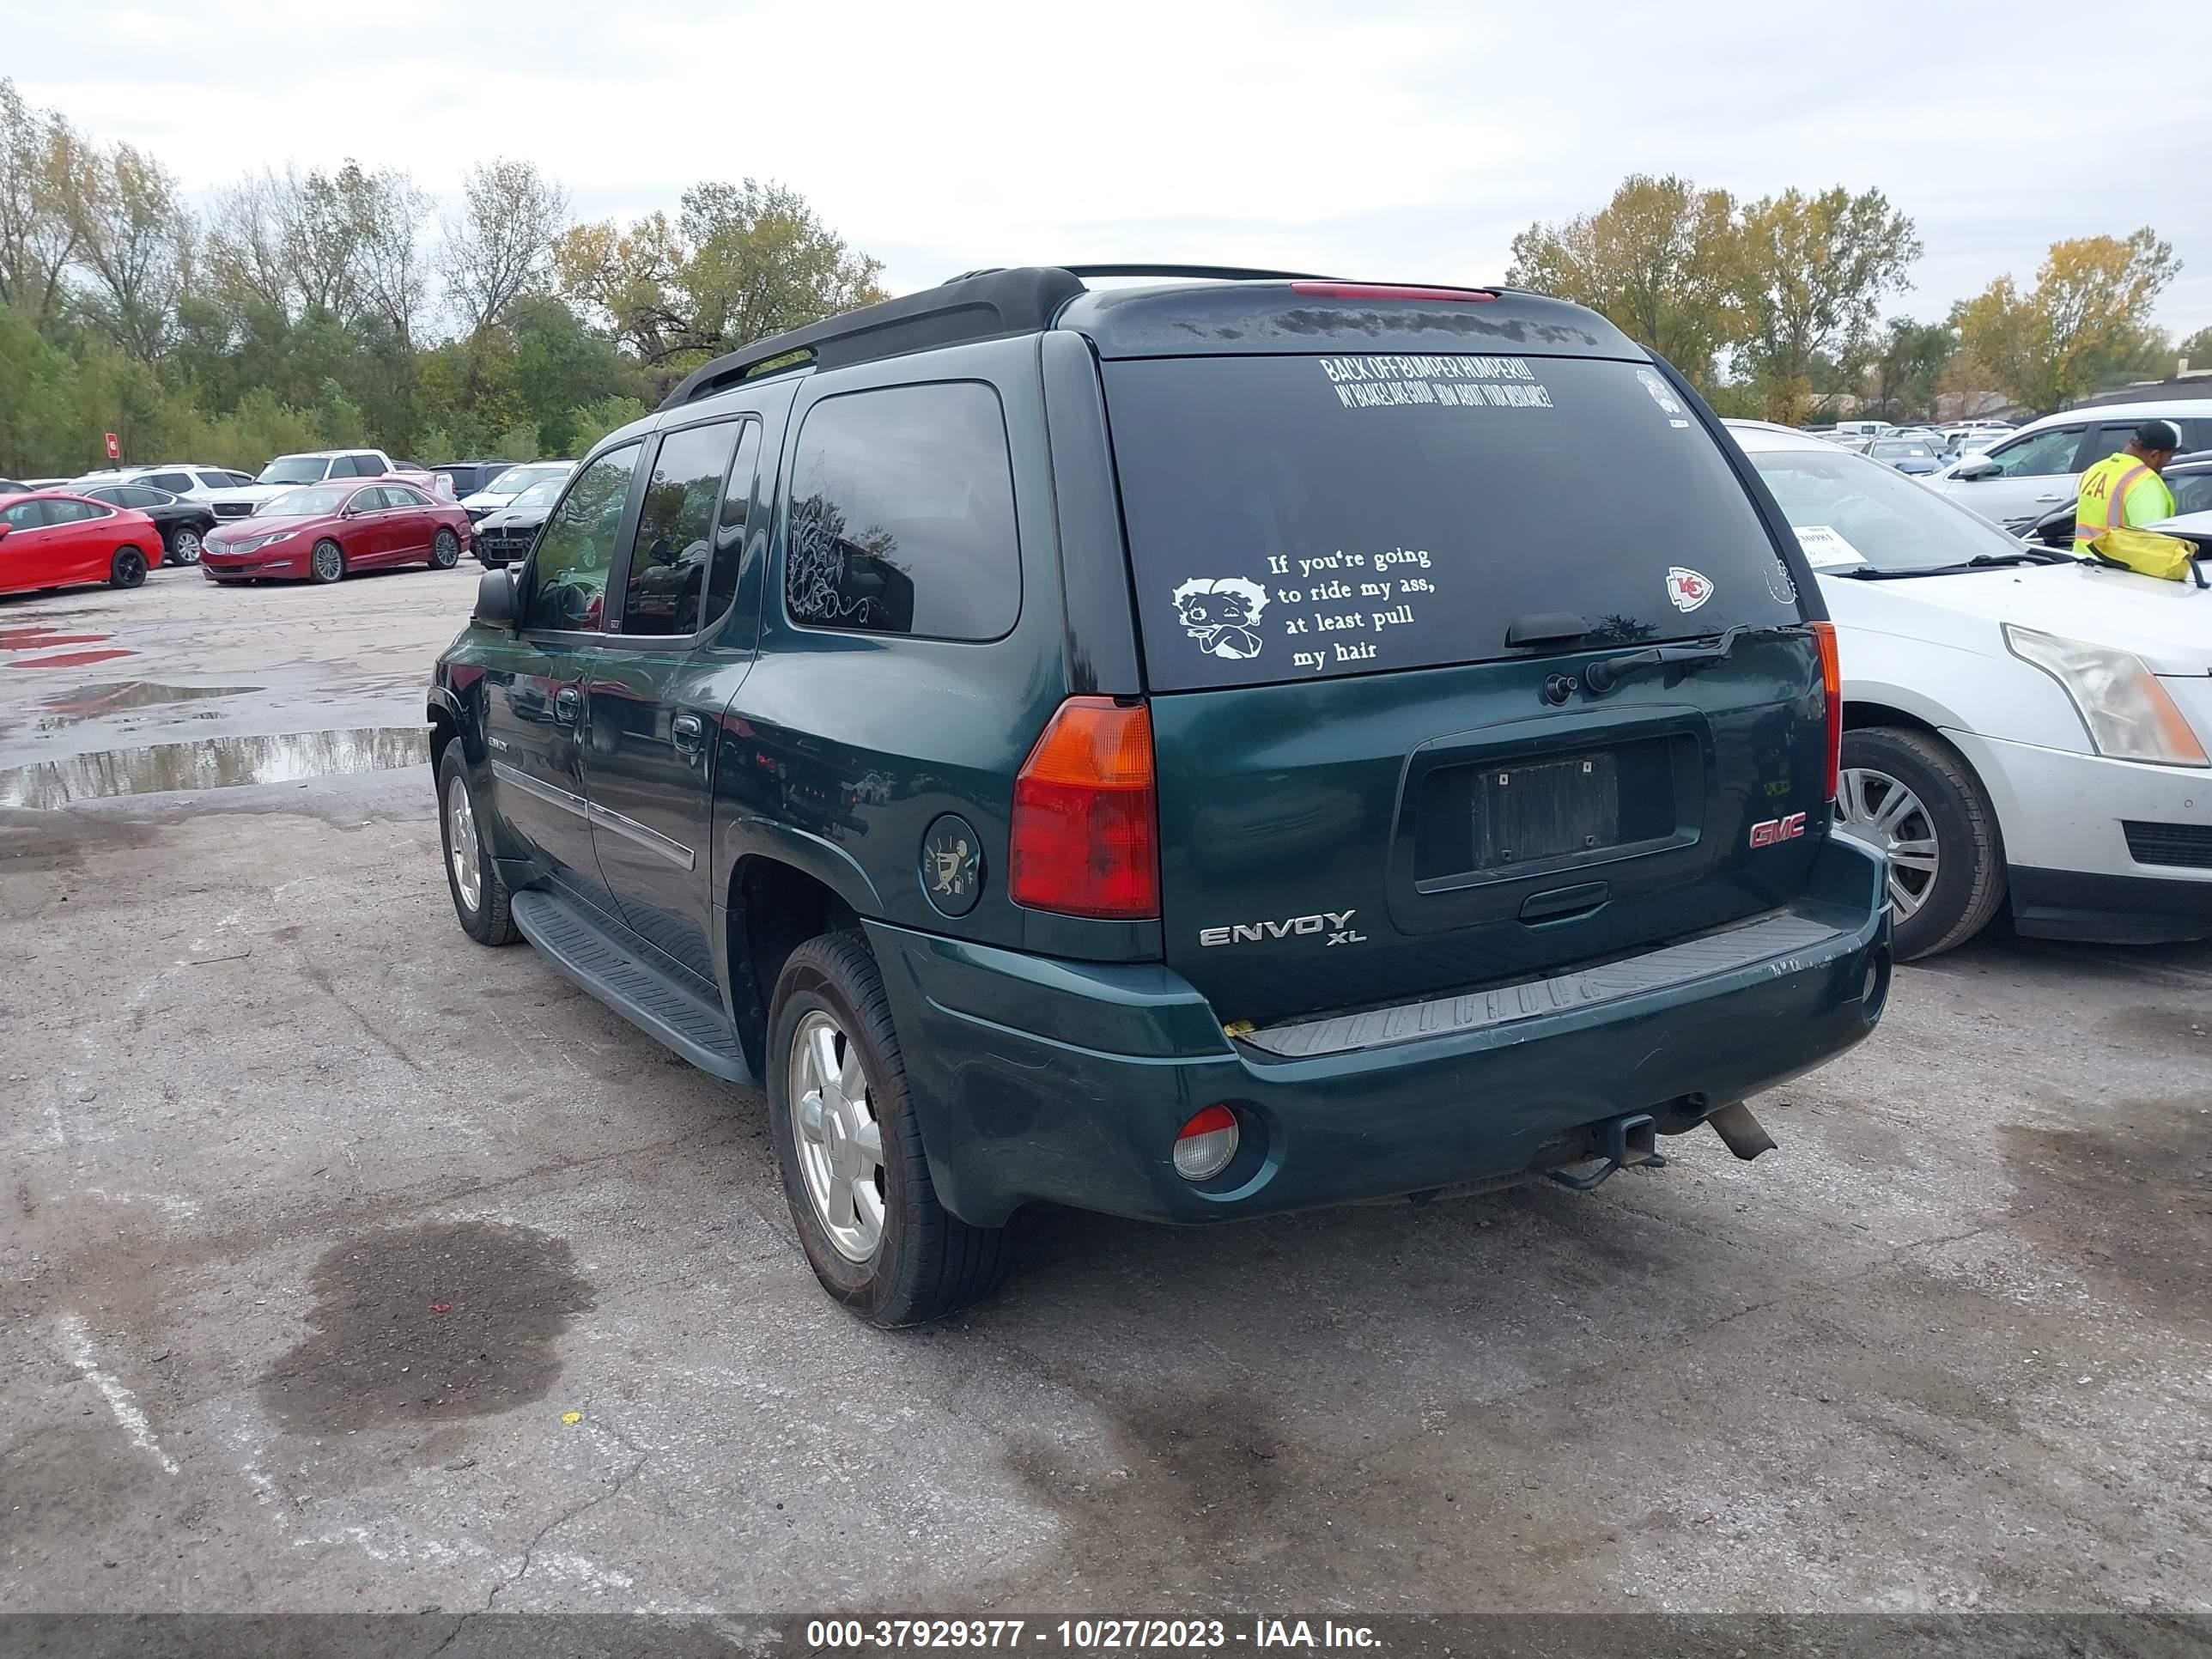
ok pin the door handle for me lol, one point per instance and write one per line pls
(565, 701)
(689, 733)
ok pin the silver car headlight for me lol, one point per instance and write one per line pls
(2129, 714)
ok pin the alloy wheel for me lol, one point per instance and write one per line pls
(461, 842)
(329, 562)
(840, 1143)
(1877, 809)
(184, 549)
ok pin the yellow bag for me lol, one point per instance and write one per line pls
(2147, 553)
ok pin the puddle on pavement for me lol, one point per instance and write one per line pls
(213, 764)
(422, 1323)
(90, 702)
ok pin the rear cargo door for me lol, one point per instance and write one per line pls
(1369, 589)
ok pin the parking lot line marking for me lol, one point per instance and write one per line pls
(86, 1359)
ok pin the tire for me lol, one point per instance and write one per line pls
(923, 1263)
(326, 564)
(445, 550)
(486, 917)
(127, 568)
(1912, 795)
(183, 546)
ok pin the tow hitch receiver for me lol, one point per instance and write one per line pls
(1625, 1143)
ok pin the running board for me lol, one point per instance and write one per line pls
(640, 992)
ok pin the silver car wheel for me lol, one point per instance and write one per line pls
(186, 547)
(461, 839)
(1875, 808)
(841, 1145)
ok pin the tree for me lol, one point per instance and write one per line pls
(2197, 347)
(384, 210)
(501, 245)
(2086, 320)
(1908, 362)
(1808, 274)
(135, 241)
(42, 160)
(1654, 260)
(744, 261)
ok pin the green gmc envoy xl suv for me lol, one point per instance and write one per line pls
(1187, 749)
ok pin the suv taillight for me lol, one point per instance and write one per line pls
(1086, 839)
(1831, 682)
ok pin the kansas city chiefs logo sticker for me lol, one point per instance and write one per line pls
(1688, 589)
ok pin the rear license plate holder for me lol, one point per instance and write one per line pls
(1531, 811)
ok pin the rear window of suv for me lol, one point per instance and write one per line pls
(1298, 518)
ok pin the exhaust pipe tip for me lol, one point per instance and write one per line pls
(1743, 1134)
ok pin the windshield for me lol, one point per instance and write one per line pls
(1850, 513)
(304, 503)
(517, 479)
(544, 493)
(1902, 449)
(294, 470)
(1301, 517)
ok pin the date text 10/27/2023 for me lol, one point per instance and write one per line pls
(1088, 1635)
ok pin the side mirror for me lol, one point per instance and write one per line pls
(497, 606)
(1975, 466)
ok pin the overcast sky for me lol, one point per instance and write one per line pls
(1377, 139)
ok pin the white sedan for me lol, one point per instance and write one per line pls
(2020, 726)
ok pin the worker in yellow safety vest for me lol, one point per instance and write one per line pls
(2123, 491)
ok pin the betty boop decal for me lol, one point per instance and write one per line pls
(1219, 612)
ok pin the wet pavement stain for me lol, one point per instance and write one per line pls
(213, 764)
(2125, 1199)
(2173, 1031)
(428, 1323)
(90, 702)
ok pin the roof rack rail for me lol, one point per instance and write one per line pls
(1216, 273)
(979, 306)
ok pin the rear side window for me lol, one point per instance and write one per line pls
(675, 544)
(75, 512)
(1292, 518)
(174, 483)
(902, 517)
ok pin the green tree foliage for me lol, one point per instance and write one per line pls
(742, 262)
(1655, 260)
(1807, 276)
(332, 305)
(1906, 362)
(2085, 322)
(2197, 347)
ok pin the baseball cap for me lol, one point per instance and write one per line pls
(2159, 434)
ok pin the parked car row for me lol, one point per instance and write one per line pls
(2017, 483)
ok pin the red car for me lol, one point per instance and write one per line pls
(51, 540)
(321, 532)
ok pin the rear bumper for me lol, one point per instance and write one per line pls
(1044, 1080)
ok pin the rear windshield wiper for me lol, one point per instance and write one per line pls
(1605, 674)
(1867, 573)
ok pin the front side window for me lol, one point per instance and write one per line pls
(576, 550)
(2044, 455)
(24, 515)
(2192, 491)
(401, 495)
(902, 515)
(675, 544)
